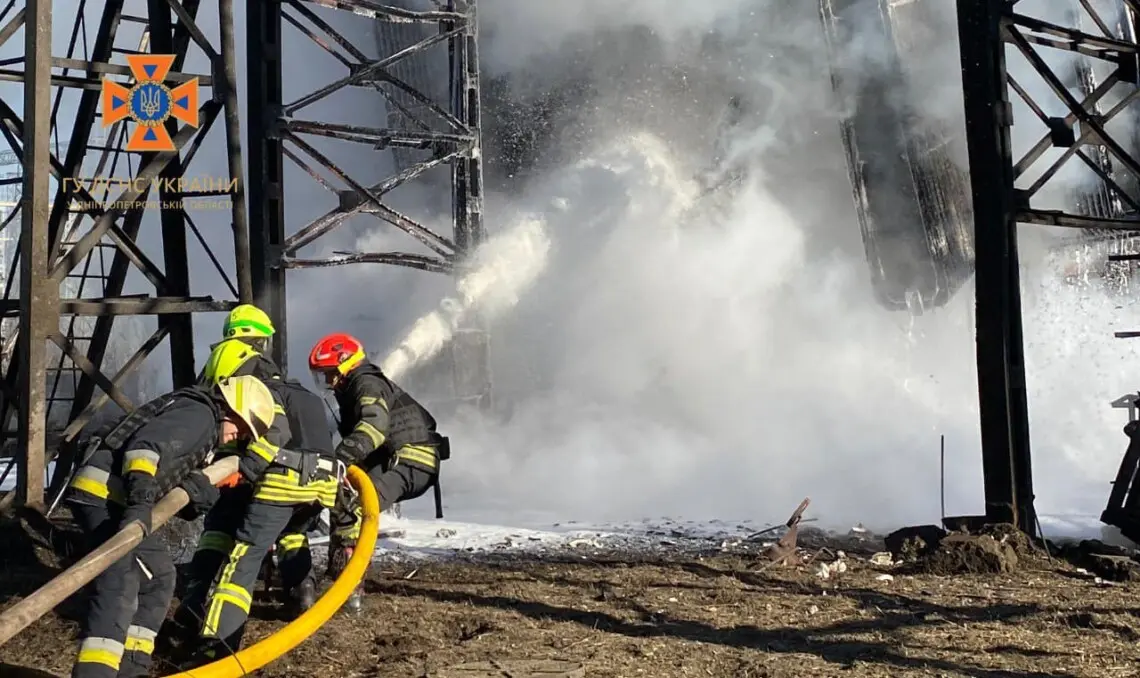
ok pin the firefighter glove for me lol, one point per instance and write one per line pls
(139, 512)
(141, 489)
(251, 469)
(349, 452)
(202, 495)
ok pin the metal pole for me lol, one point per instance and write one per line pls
(266, 167)
(1000, 351)
(233, 146)
(39, 302)
(173, 220)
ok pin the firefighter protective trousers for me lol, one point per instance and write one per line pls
(128, 602)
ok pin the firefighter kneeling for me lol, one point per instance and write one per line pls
(383, 430)
(289, 476)
(160, 446)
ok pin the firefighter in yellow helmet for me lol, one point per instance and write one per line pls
(290, 477)
(161, 445)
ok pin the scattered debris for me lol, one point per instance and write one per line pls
(516, 668)
(911, 543)
(960, 553)
(1021, 543)
(836, 567)
(1106, 561)
(784, 550)
(884, 577)
(882, 559)
(445, 533)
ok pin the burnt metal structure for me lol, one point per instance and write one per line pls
(82, 210)
(1005, 194)
(436, 134)
(911, 196)
(79, 236)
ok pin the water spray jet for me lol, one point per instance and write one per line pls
(497, 273)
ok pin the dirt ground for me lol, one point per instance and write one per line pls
(724, 615)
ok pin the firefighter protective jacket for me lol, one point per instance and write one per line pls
(293, 463)
(160, 442)
(376, 414)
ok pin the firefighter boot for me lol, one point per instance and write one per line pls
(303, 597)
(339, 555)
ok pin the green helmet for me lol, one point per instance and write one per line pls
(226, 359)
(248, 321)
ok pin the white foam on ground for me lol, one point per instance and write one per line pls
(442, 538)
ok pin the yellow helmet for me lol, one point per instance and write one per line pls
(248, 320)
(225, 359)
(251, 401)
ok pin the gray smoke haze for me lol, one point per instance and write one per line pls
(718, 360)
(730, 369)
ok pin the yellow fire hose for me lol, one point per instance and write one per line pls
(256, 656)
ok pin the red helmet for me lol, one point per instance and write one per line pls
(333, 357)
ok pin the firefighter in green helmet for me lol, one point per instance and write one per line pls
(251, 325)
(288, 480)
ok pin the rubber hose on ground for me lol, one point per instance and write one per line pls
(296, 632)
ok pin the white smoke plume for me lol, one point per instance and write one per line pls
(729, 367)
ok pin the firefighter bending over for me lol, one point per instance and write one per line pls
(383, 430)
(288, 479)
(250, 326)
(160, 446)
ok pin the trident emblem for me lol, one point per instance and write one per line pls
(150, 101)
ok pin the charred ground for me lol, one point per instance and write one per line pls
(686, 612)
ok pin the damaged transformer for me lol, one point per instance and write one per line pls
(906, 158)
(911, 190)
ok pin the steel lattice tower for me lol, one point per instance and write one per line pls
(69, 234)
(1007, 189)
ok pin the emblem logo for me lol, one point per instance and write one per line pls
(150, 103)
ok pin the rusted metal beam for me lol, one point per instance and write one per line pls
(97, 401)
(325, 223)
(102, 68)
(91, 370)
(226, 62)
(129, 305)
(471, 348)
(38, 293)
(144, 306)
(172, 219)
(266, 166)
(417, 261)
(431, 239)
(376, 10)
(368, 70)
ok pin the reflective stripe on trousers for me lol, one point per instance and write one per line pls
(128, 602)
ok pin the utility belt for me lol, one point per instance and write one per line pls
(307, 463)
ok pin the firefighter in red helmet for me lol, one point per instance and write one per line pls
(383, 430)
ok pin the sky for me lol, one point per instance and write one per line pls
(677, 359)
